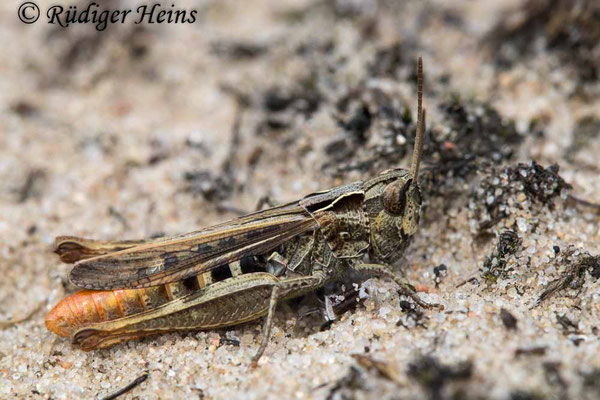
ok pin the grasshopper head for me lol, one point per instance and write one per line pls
(393, 204)
(393, 199)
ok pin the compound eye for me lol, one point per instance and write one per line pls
(394, 197)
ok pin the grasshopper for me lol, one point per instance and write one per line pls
(239, 270)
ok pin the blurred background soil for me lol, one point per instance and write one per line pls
(146, 130)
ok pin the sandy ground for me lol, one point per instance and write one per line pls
(127, 133)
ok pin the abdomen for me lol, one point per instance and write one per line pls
(87, 307)
(92, 306)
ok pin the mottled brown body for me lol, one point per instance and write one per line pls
(343, 235)
(88, 307)
(237, 271)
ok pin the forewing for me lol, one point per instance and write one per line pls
(72, 249)
(179, 257)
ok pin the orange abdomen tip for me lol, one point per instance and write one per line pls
(62, 320)
(91, 306)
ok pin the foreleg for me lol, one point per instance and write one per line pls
(406, 288)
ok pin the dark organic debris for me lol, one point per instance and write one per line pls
(541, 184)
(351, 9)
(355, 119)
(199, 393)
(383, 369)
(233, 342)
(568, 325)
(358, 123)
(509, 320)
(440, 273)
(159, 152)
(282, 104)
(349, 383)
(359, 12)
(313, 47)
(531, 351)
(206, 184)
(83, 45)
(127, 388)
(497, 264)
(413, 317)
(586, 130)
(113, 212)
(555, 378)
(576, 263)
(523, 395)
(390, 60)
(24, 108)
(501, 191)
(376, 132)
(215, 188)
(238, 50)
(230, 339)
(556, 249)
(32, 185)
(583, 205)
(568, 28)
(78, 48)
(473, 135)
(591, 380)
(337, 303)
(433, 376)
(32, 229)
(471, 279)
(576, 340)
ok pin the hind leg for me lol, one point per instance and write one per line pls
(286, 289)
(268, 325)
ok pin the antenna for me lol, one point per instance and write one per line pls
(418, 150)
